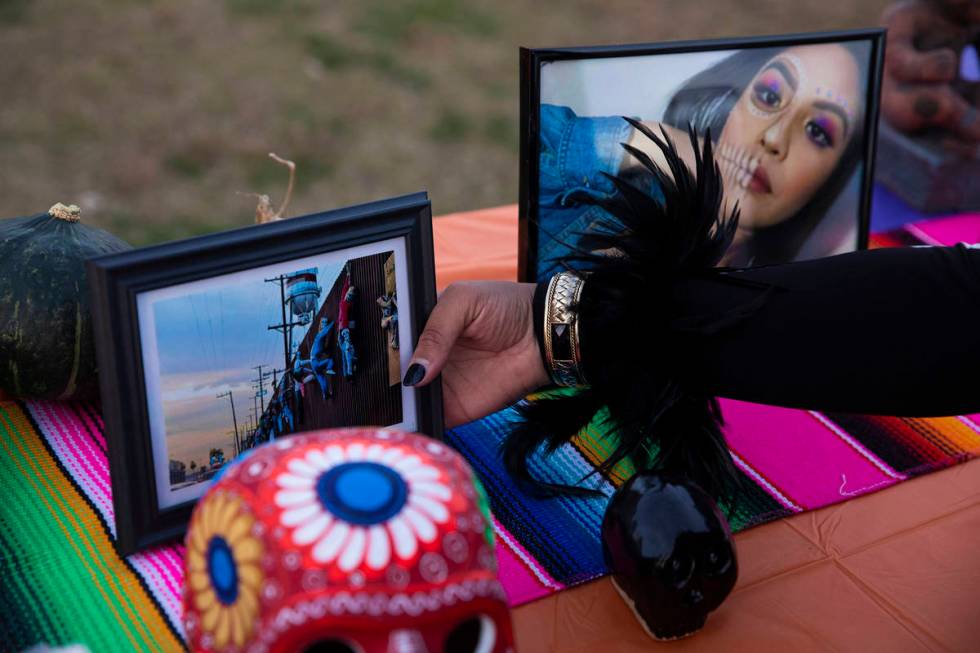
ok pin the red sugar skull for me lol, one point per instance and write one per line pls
(345, 540)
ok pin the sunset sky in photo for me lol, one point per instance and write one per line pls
(210, 342)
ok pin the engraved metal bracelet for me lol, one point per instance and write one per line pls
(562, 349)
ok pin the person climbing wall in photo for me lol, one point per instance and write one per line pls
(345, 325)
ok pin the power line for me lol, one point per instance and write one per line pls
(261, 382)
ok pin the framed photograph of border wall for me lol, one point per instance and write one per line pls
(792, 119)
(211, 346)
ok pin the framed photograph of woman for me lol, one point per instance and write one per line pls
(792, 120)
(212, 346)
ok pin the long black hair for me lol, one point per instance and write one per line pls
(704, 102)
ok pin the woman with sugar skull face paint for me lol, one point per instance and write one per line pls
(788, 144)
(788, 131)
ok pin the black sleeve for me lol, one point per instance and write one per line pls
(888, 331)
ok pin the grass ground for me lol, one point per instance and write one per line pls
(156, 117)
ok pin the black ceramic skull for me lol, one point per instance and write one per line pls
(670, 553)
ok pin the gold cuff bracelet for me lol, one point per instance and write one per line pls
(562, 349)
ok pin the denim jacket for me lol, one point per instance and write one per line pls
(574, 152)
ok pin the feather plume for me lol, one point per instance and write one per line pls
(628, 322)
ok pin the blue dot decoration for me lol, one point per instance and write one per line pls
(363, 493)
(222, 570)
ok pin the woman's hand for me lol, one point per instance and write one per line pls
(480, 336)
(921, 87)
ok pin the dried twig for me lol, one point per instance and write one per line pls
(263, 211)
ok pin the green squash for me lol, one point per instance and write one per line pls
(47, 350)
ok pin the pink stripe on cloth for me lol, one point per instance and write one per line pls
(96, 426)
(826, 470)
(69, 434)
(764, 482)
(170, 564)
(156, 568)
(76, 452)
(858, 447)
(949, 231)
(89, 435)
(522, 577)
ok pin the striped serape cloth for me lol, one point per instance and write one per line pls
(62, 579)
(794, 461)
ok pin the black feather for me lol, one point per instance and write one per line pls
(628, 323)
(553, 419)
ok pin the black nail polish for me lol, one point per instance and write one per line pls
(414, 374)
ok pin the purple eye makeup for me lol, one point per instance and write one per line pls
(821, 131)
(771, 91)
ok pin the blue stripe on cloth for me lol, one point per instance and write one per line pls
(562, 533)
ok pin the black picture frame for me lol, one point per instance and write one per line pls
(532, 60)
(116, 281)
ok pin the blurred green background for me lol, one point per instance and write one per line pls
(156, 117)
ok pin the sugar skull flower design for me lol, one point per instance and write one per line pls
(362, 539)
(359, 505)
(224, 575)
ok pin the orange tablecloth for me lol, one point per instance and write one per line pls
(898, 570)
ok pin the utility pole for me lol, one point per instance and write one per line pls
(261, 381)
(234, 419)
(275, 380)
(284, 326)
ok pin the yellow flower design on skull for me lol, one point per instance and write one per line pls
(223, 568)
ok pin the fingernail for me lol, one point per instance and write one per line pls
(414, 374)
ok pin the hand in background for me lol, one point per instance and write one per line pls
(480, 336)
(921, 86)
